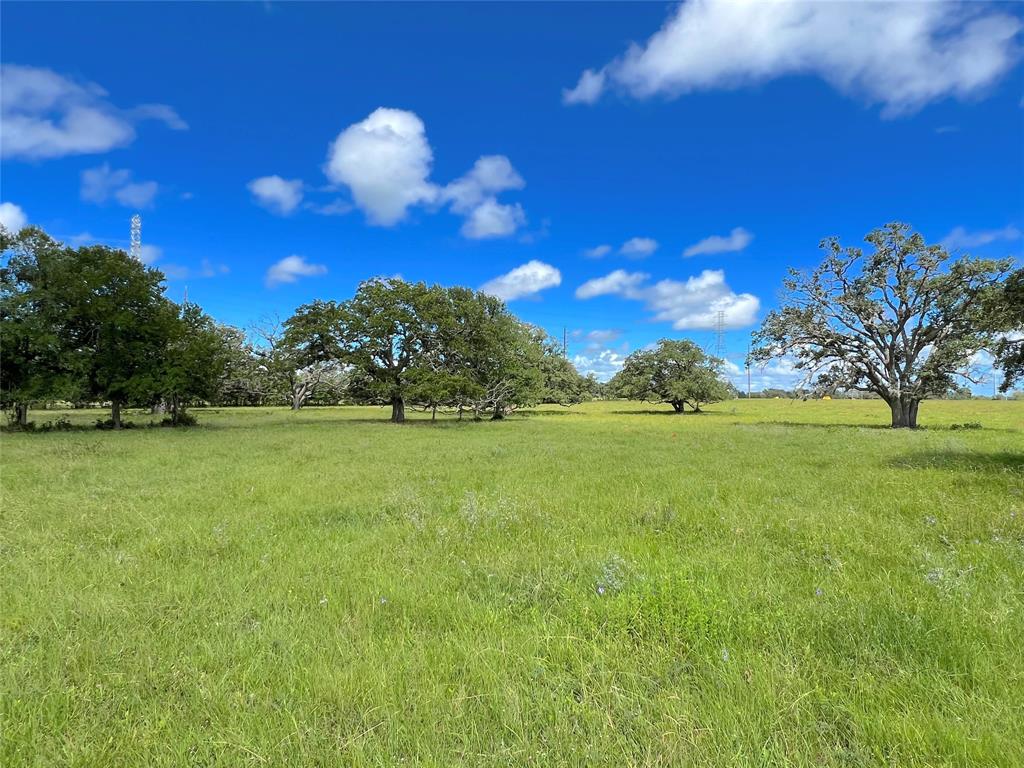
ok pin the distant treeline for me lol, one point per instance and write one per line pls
(91, 324)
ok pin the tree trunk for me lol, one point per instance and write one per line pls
(398, 409)
(678, 406)
(499, 413)
(433, 413)
(115, 413)
(21, 414)
(175, 410)
(904, 412)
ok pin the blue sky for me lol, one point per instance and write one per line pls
(284, 152)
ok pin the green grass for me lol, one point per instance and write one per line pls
(770, 583)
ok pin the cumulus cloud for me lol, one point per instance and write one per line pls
(12, 217)
(385, 160)
(689, 304)
(474, 195)
(639, 247)
(603, 364)
(900, 55)
(961, 238)
(736, 240)
(493, 219)
(597, 252)
(529, 279)
(102, 183)
(620, 282)
(290, 269)
(277, 195)
(489, 175)
(45, 115)
(587, 90)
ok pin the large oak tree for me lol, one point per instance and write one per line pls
(901, 321)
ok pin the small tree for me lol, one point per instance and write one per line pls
(563, 384)
(675, 372)
(902, 321)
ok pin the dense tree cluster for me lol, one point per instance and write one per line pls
(91, 324)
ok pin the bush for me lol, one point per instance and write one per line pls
(109, 424)
(185, 419)
(60, 425)
(967, 425)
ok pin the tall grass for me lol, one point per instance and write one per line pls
(770, 583)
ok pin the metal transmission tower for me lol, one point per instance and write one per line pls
(720, 335)
(136, 241)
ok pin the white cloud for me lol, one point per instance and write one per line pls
(12, 217)
(527, 280)
(736, 240)
(101, 183)
(291, 268)
(597, 252)
(277, 195)
(474, 195)
(603, 365)
(690, 304)
(45, 115)
(639, 247)
(602, 336)
(902, 55)
(385, 160)
(620, 282)
(490, 175)
(587, 90)
(493, 219)
(150, 254)
(961, 238)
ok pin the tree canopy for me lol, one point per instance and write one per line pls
(901, 321)
(677, 372)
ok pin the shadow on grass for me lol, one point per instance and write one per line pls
(652, 412)
(878, 425)
(962, 461)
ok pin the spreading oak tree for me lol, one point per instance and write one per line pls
(902, 320)
(677, 372)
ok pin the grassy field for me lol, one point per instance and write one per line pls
(769, 583)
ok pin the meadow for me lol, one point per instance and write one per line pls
(767, 583)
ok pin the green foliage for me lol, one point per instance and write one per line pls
(675, 372)
(902, 321)
(194, 361)
(35, 362)
(1006, 318)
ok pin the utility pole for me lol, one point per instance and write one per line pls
(565, 343)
